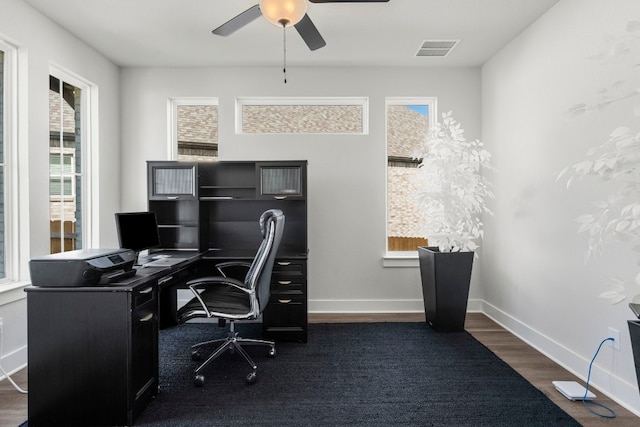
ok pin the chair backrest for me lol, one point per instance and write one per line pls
(258, 277)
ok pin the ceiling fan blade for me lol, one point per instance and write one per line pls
(310, 33)
(348, 1)
(238, 22)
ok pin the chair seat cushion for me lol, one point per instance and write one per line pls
(220, 300)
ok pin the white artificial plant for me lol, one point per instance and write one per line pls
(616, 162)
(451, 187)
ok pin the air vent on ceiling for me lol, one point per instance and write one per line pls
(440, 48)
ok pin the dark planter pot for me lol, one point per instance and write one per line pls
(445, 287)
(634, 332)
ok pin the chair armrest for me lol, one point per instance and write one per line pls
(224, 266)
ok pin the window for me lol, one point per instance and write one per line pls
(194, 129)
(13, 191)
(67, 172)
(302, 115)
(2, 167)
(407, 122)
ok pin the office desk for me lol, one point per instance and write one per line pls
(93, 351)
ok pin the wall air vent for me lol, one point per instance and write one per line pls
(433, 48)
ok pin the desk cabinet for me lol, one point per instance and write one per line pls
(221, 216)
(286, 315)
(93, 354)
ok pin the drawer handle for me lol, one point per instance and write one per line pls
(279, 197)
(284, 282)
(284, 301)
(147, 291)
(146, 318)
(284, 263)
(173, 197)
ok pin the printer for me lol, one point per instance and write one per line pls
(82, 267)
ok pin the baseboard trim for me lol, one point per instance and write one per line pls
(377, 306)
(618, 389)
(13, 362)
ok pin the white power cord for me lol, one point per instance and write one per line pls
(16, 386)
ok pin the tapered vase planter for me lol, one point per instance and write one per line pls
(634, 333)
(445, 287)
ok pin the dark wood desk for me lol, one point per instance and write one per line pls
(93, 351)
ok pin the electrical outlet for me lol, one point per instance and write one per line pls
(615, 334)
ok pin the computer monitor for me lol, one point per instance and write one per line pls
(137, 231)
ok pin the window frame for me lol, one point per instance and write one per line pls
(67, 176)
(89, 162)
(16, 190)
(172, 113)
(402, 258)
(361, 101)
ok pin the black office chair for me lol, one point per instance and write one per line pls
(230, 299)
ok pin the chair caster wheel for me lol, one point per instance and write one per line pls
(272, 352)
(195, 355)
(198, 381)
(251, 378)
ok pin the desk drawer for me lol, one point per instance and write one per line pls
(289, 267)
(287, 298)
(286, 316)
(285, 284)
(144, 295)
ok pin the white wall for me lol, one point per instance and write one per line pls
(346, 178)
(534, 277)
(42, 43)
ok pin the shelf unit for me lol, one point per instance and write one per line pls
(173, 196)
(218, 211)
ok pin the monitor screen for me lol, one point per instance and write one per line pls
(137, 230)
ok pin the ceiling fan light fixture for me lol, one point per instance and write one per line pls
(283, 13)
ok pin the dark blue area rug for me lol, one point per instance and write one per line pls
(367, 374)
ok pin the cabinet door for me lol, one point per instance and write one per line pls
(172, 180)
(281, 180)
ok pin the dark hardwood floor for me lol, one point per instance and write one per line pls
(13, 405)
(531, 364)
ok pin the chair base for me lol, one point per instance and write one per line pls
(233, 343)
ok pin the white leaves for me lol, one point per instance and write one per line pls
(624, 51)
(616, 292)
(616, 162)
(452, 189)
(613, 297)
(620, 131)
(577, 110)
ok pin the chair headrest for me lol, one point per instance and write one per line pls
(264, 218)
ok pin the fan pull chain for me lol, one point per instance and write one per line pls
(284, 51)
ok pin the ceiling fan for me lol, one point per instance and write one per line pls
(284, 13)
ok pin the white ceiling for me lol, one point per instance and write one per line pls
(160, 33)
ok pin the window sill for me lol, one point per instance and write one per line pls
(12, 291)
(408, 259)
